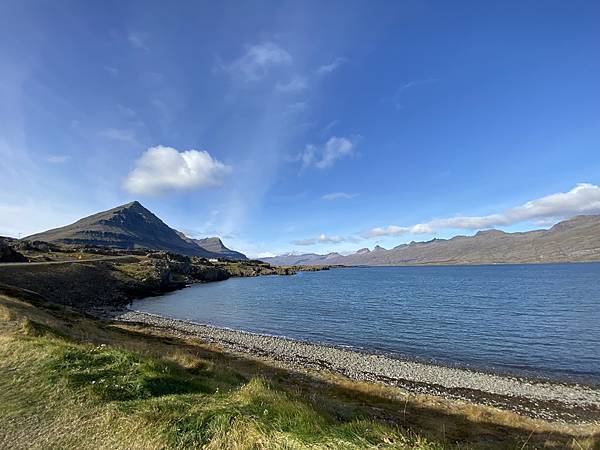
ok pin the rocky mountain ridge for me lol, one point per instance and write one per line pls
(131, 227)
(573, 240)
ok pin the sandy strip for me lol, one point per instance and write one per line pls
(547, 400)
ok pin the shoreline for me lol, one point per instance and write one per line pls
(542, 399)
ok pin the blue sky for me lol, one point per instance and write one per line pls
(301, 126)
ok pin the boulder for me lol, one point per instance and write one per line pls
(7, 254)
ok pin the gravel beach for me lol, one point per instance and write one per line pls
(540, 399)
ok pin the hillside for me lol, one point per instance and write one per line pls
(215, 245)
(129, 226)
(306, 259)
(576, 239)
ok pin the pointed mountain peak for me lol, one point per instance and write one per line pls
(133, 204)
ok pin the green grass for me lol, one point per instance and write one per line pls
(183, 406)
(71, 382)
(138, 270)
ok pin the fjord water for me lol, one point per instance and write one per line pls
(531, 320)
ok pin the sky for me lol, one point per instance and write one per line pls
(301, 126)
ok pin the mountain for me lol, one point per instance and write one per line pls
(129, 226)
(576, 239)
(215, 245)
(305, 259)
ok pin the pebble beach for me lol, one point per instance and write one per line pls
(534, 398)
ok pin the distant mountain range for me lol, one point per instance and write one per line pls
(132, 226)
(576, 239)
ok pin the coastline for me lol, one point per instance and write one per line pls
(546, 400)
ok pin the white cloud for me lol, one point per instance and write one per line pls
(584, 198)
(324, 157)
(297, 83)
(162, 169)
(255, 63)
(328, 68)
(338, 196)
(138, 40)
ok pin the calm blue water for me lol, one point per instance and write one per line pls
(534, 320)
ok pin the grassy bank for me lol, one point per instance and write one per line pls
(67, 381)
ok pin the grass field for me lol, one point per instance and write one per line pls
(67, 381)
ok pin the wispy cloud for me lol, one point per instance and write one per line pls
(326, 155)
(332, 66)
(58, 159)
(256, 62)
(126, 111)
(296, 107)
(327, 128)
(112, 71)
(297, 83)
(394, 230)
(323, 239)
(162, 169)
(397, 97)
(338, 196)
(138, 40)
(126, 135)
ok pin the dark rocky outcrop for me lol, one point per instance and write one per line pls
(9, 254)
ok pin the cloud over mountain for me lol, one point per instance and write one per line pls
(584, 198)
(162, 169)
